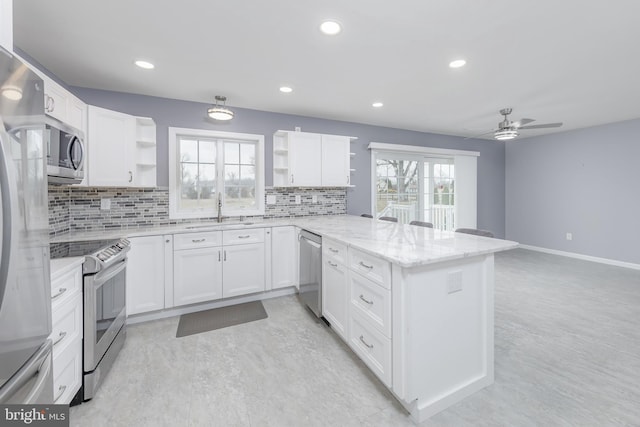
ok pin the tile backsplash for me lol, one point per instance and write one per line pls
(78, 208)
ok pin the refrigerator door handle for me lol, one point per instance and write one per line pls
(33, 383)
(8, 203)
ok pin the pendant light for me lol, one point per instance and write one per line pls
(220, 112)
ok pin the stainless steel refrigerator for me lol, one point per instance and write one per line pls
(25, 290)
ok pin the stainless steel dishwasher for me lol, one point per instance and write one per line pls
(311, 271)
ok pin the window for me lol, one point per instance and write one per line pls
(418, 183)
(206, 167)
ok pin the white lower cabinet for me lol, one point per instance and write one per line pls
(243, 269)
(283, 257)
(66, 335)
(197, 275)
(371, 346)
(335, 288)
(146, 278)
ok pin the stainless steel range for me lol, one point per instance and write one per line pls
(104, 288)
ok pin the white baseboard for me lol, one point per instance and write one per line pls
(583, 257)
(178, 311)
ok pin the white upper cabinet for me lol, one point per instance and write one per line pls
(61, 104)
(335, 161)
(6, 24)
(302, 159)
(121, 149)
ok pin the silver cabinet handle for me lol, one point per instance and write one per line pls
(168, 241)
(60, 292)
(335, 251)
(219, 256)
(198, 240)
(332, 264)
(292, 178)
(366, 266)
(225, 255)
(365, 300)
(365, 343)
(61, 336)
(53, 104)
(61, 390)
(244, 237)
(348, 179)
(130, 176)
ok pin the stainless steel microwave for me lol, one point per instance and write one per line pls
(65, 152)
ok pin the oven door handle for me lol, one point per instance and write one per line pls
(104, 276)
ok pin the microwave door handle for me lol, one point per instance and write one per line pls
(7, 211)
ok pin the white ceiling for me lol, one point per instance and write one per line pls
(574, 61)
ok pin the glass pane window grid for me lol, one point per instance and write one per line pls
(197, 168)
(439, 193)
(240, 174)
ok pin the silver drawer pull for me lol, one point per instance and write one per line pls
(60, 292)
(60, 338)
(365, 343)
(244, 237)
(332, 264)
(335, 251)
(61, 390)
(198, 240)
(366, 266)
(365, 300)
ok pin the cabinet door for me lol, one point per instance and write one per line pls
(197, 275)
(283, 257)
(305, 151)
(77, 114)
(335, 298)
(335, 161)
(55, 100)
(243, 269)
(145, 275)
(110, 145)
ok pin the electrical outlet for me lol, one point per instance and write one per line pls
(314, 199)
(569, 236)
(271, 199)
(298, 199)
(105, 204)
(297, 128)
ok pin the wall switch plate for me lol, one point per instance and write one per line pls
(297, 128)
(298, 199)
(105, 204)
(271, 199)
(454, 282)
(569, 236)
(314, 199)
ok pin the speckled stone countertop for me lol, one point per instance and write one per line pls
(404, 245)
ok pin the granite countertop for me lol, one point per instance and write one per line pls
(404, 245)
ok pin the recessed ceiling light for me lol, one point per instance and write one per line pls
(330, 28)
(286, 89)
(457, 63)
(377, 104)
(145, 64)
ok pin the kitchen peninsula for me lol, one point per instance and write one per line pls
(419, 306)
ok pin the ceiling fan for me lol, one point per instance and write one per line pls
(509, 130)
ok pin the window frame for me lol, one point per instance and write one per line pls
(220, 137)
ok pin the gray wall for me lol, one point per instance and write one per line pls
(583, 182)
(169, 112)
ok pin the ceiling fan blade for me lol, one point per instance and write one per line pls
(522, 122)
(482, 134)
(543, 126)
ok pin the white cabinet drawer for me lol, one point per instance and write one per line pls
(67, 373)
(372, 301)
(244, 236)
(336, 251)
(371, 267)
(371, 346)
(65, 287)
(197, 240)
(67, 324)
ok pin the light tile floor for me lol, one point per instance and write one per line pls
(567, 343)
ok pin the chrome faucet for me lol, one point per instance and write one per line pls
(219, 208)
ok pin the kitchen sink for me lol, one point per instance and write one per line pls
(216, 225)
